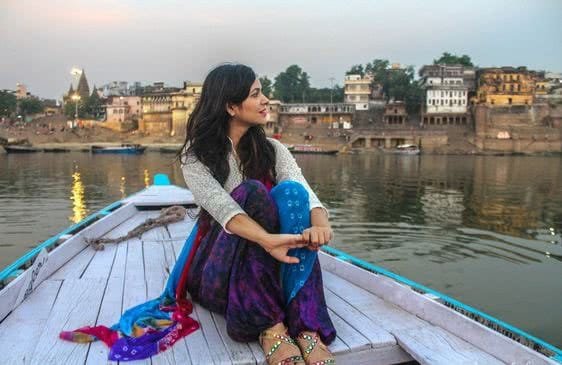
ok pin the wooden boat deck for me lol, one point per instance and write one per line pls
(95, 287)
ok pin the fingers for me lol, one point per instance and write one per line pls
(289, 260)
(327, 236)
(314, 237)
(306, 235)
(298, 245)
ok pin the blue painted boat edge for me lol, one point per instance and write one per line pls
(379, 270)
(14, 269)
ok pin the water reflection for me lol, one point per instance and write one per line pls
(79, 209)
(147, 179)
(122, 187)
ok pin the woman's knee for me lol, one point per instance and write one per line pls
(289, 189)
(253, 196)
(250, 186)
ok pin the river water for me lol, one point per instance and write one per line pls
(486, 230)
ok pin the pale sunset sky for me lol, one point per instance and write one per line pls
(173, 41)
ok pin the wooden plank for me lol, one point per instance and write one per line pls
(338, 347)
(239, 352)
(111, 306)
(134, 291)
(377, 336)
(20, 331)
(429, 310)
(181, 230)
(154, 268)
(74, 268)
(101, 264)
(385, 315)
(77, 305)
(354, 340)
(156, 195)
(435, 346)
(258, 353)
(197, 345)
(156, 275)
(62, 254)
(218, 350)
(179, 353)
(380, 356)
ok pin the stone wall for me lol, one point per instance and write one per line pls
(525, 129)
(156, 123)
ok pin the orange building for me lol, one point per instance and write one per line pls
(507, 85)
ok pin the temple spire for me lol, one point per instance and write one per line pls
(83, 89)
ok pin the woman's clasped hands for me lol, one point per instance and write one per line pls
(277, 245)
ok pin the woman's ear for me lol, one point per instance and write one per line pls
(231, 109)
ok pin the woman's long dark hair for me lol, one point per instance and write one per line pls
(207, 127)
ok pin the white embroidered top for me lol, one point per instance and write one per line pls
(216, 199)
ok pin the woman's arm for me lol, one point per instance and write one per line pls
(320, 232)
(208, 192)
(276, 245)
(210, 195)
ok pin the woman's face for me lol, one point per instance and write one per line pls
(253, 110)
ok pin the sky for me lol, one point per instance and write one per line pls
(173, 41)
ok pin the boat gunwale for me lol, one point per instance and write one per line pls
(450, 302)
(14, 269)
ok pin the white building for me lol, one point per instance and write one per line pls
(446, 89)
(357, 91)
(115, 88)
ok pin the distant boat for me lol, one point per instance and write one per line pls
(168, 150)
(130, 149)
(56, 149)
(21, 149)
(404, 149)
(311, 149)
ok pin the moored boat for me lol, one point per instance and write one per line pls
(20, 149)
(168, 150)
(404, 149)
(56, 149)
(134, 149)
(312, 149)
(380, 317)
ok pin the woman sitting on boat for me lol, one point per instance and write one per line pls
(252, 255)
(260, 225)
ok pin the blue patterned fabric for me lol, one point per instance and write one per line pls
(294, 217)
